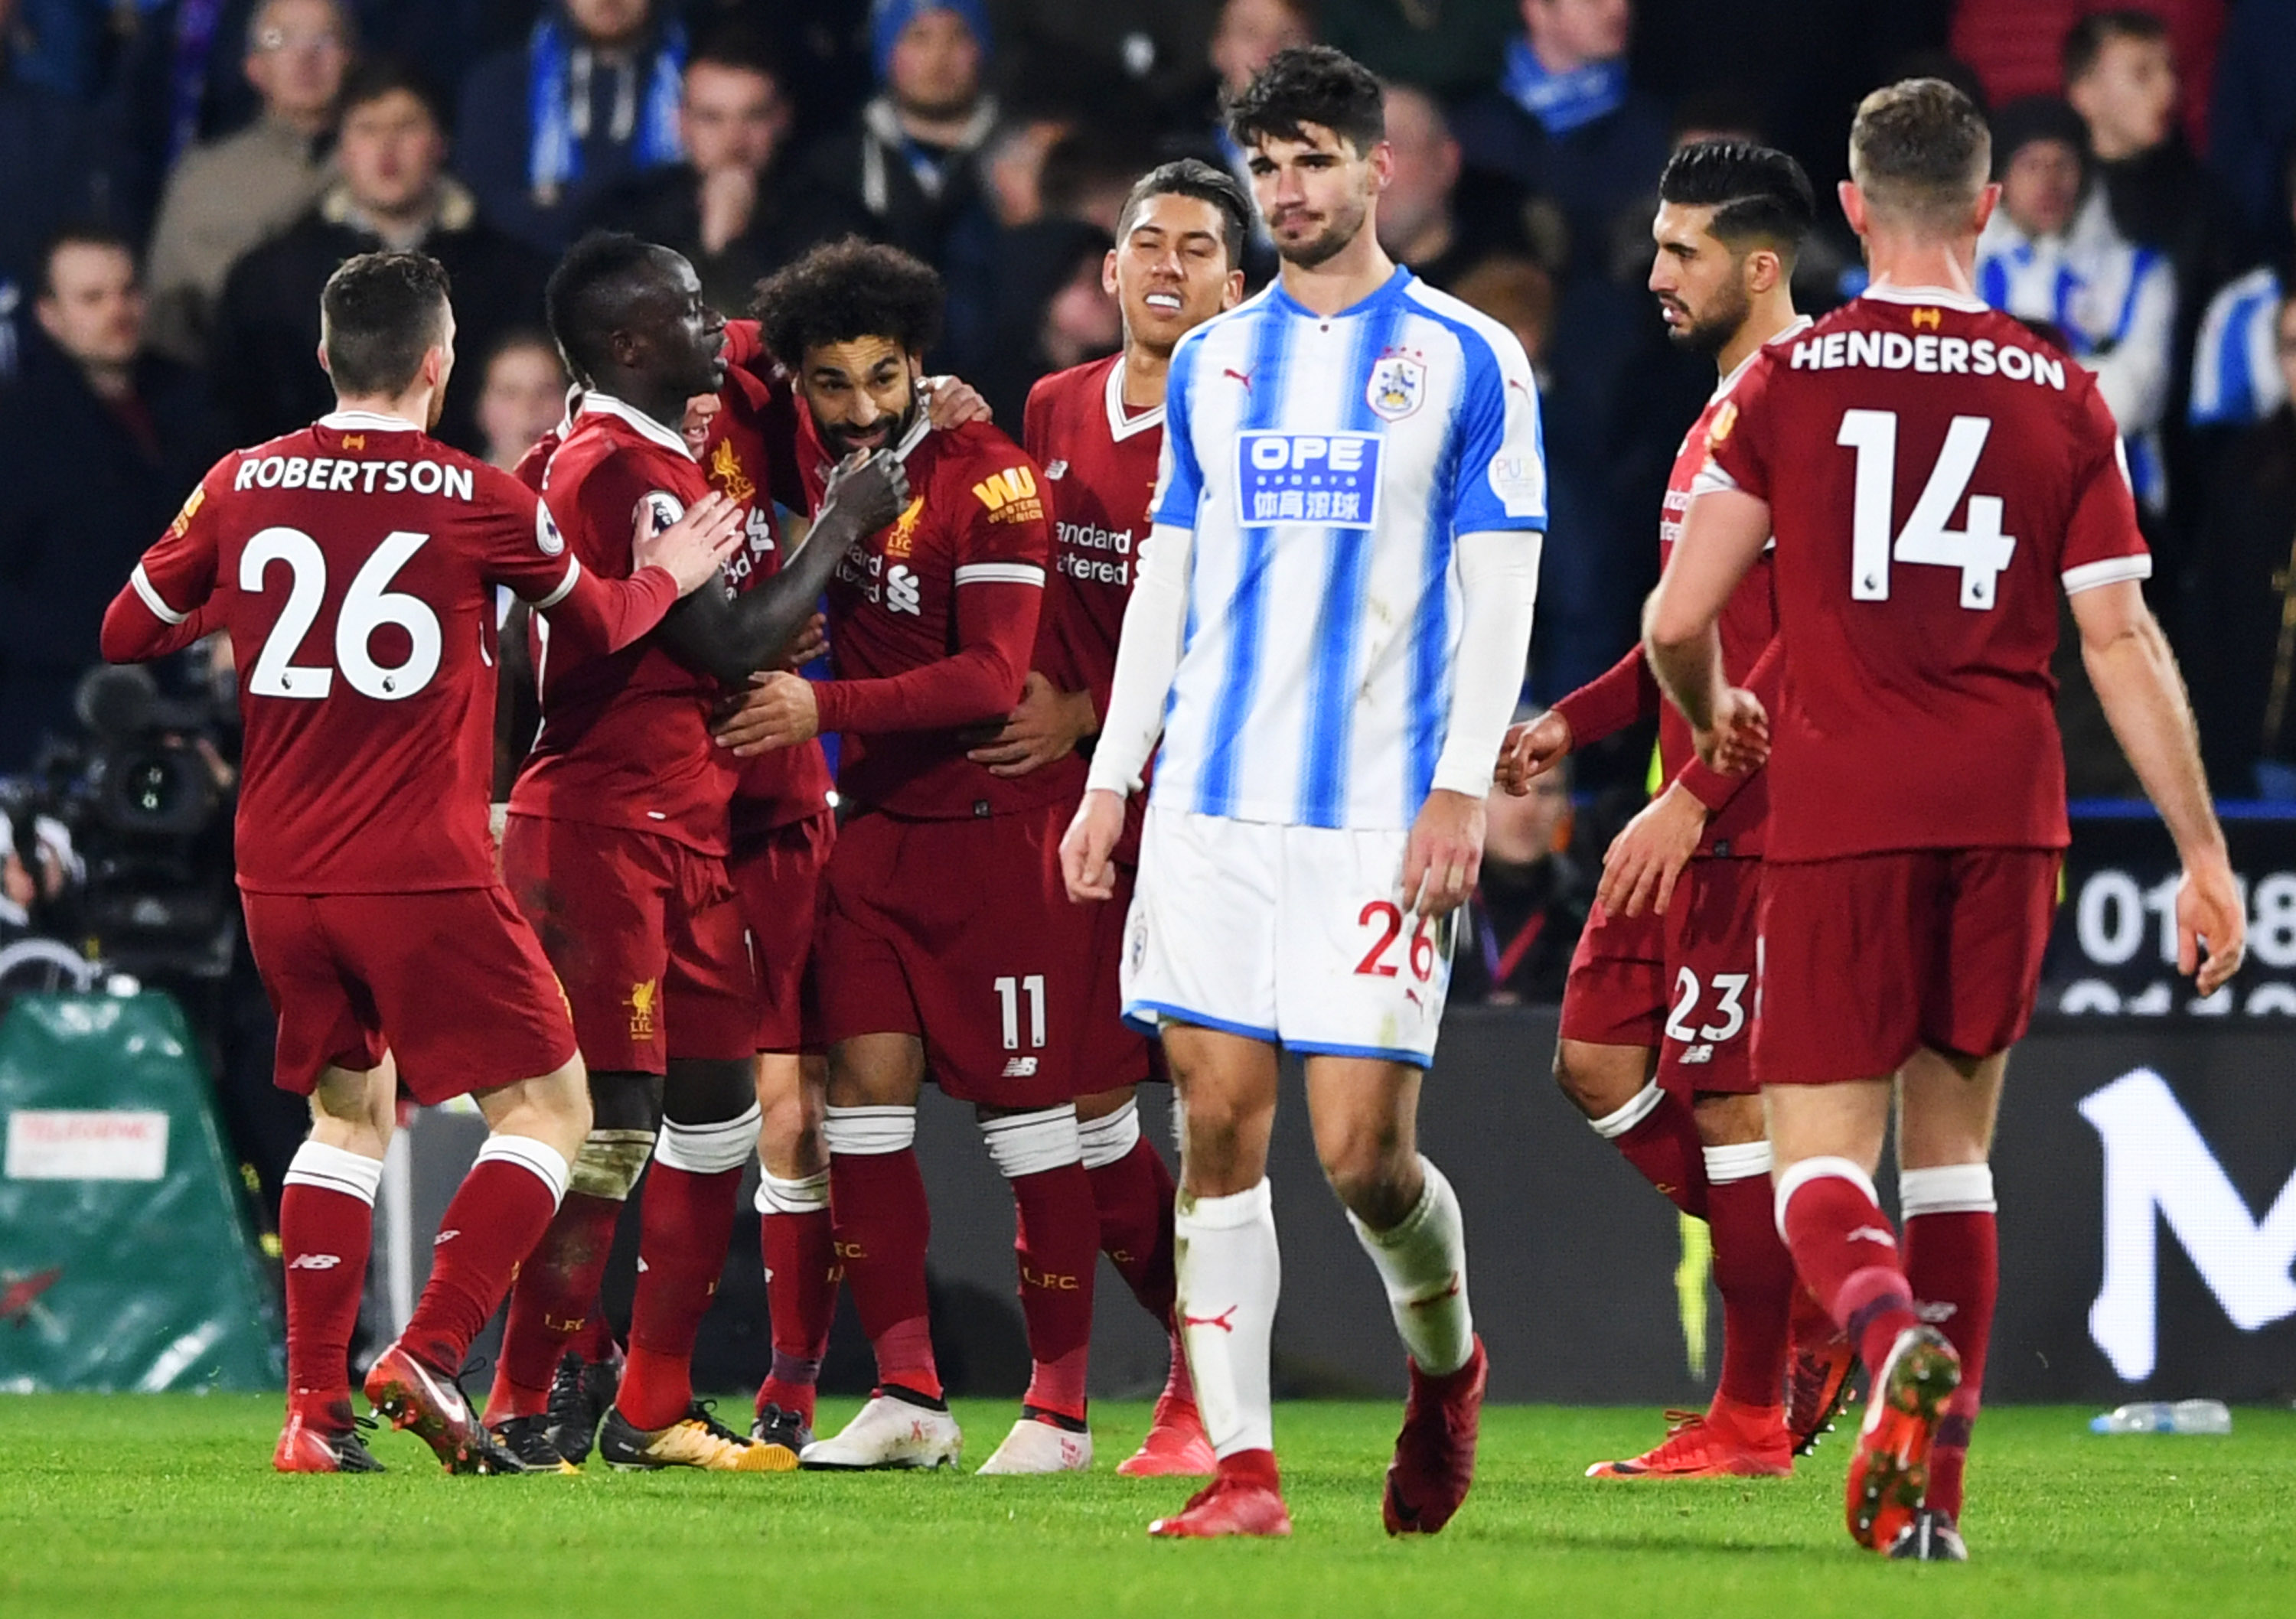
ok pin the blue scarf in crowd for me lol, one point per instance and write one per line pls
(558, 94)
(1563, 102)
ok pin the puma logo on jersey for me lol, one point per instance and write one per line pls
(1244, 377)
(904, 592)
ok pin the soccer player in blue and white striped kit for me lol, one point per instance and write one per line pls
(1328, 633)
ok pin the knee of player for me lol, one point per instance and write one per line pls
(1363, 1162)
(1216, 1122)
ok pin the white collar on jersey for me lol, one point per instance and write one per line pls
(1122, 427)
(371, 421)
(595, 403)
(1889, 294)
(1800, 323)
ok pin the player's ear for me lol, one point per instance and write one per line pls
(1987, 200)
(323, 358)
(1108, 273)
(1231, 294)
(1853, 205)
(1382, 165)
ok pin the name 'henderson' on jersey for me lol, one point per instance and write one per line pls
(1936, 473)
(1327, 466)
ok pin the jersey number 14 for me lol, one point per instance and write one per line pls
(1981, 550)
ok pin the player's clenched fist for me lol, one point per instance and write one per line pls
(1738, 739)
(1531, 750)
(1445, 858)
(777, 711)
(1087, 850)
(691, 549)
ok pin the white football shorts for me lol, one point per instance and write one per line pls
(1293, 935)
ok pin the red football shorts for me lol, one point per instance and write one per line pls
(960, 932)
(646, 937)
(453, 982)
(1868, 958)
(1682, 982)
(777, 879)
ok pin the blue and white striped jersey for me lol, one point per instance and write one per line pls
(1327, 467)
(2236, 362)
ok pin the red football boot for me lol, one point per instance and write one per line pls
(1244, 1497)
(1889, 1471)
(312, 1442)
(1435, 1454)
(429, 1405)
(1818, 1374)
(1728, 1441)
(1176, 1446)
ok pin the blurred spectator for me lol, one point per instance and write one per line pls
(1014, 168)
(2241, 643)
(2046, 257)
(521, 397)
(1524, 917)
(2236, 379)
(911, 160)
(589, 100)
(1155, 46)
(1447, 45)
(394, 192)
(1565, 124)
(100, 441)
(180, 84)
(734, 207)
(50, 172)
(2252, 115)
(1423, 222)
(1050, 310)
(60, 44)
(1250, 34)
(227, 195)
(2012, 46)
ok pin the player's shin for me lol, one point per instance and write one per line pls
(683, 1231)
(553, 1304)
(1656, 1133)
(883, 1223)
(1230, 1273)
(326, 1226)
(1953, 1261)
(1754, 1275)
(800, 1257)
(1133, 1191)
(1422, 1261)
(1845, 1249)
(1057, 1245)
(493, 1222)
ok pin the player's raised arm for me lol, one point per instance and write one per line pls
(157, 612)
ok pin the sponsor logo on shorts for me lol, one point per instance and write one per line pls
(315, 1261)
(1020, 1067)
(641, 1003)
(446, 1237)
(1697, 1054)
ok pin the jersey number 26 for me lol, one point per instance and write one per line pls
(367, 606)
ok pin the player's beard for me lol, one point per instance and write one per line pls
(1710, 334)
(833, 439)
(1343, 226)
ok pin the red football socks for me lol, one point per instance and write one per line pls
(1658, 1132)
(326, 1226)
(1844, 1248)
(1133, 1197)
(1953, 1261)
(496, 1218)
(553, 1302)
(877, 1200)
(684, 1227)
(1752, 1271)
(801, 1255)
(1058, 1243)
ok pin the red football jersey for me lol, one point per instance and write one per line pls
(932, 620)
(625, 738)
(353, 564)
(1098, 460)
(1935, 474)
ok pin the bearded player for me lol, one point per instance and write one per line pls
(1097, 431)
(353, 564)
(1329, 637)
(1934, 475)
(944, 941)
(1657, 1012)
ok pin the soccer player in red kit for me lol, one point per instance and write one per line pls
(1658, 1011)
(615, 844)
(353, 565)
(1933, 474)
(945, 940)
(1097, 430)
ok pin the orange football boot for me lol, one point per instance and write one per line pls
(1889, 1471)
(1729, 1440)
(1246, 1498)
(1176, 1446)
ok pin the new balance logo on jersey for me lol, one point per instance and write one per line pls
(904, 592)
(1020, 1067)
(1056, 470)
(315, 1261)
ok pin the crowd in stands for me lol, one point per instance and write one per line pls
(177, 177)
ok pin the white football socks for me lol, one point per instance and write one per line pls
(1229, 1276)
(1423, 1262)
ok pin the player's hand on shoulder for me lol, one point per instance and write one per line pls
(691, 549)
(1645, 859)
(1047, 725)
(1531, 750)
(2210, 915)
(777, 711)
(952, 402)
(868, 490)
(1088, 847)
(1444, 858)
(1738, 742)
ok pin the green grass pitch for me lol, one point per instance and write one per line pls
(137, 1506)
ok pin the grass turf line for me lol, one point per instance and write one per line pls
(133, 1505)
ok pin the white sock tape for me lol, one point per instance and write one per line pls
(1610, 1126)
(866, 1132)
(334, 1169)
(1951, 1188)
(1739, 1161)
(1103, 1141)
(776, 1195)
(1031, 1144)
(1226, 1214)
(710, 1149)
(1802, 1174)
(539, 1157)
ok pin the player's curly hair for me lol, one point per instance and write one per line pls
(1758, 195)
(379, 314)
(1309, 85)
(846, 290)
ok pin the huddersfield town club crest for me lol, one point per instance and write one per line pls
(1398, 386)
